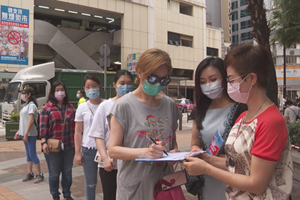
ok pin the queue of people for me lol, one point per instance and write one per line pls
(254, 163)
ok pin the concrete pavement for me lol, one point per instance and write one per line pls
(13, 168)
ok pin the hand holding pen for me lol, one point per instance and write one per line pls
(155, 150)
(157, 144)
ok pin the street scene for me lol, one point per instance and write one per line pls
(149, 99)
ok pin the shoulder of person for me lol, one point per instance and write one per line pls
(125, 100)
(46, 107)
(272, 116)
(168, 99)
(71, 107)
(106, 102)
(82, 105)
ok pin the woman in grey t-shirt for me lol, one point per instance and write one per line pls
(135, 118)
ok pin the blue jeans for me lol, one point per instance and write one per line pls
(90, 169)
(61, 162)
(30, 148)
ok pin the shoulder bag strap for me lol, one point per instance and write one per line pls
(293, 111)
(62, 133)
(91, 110)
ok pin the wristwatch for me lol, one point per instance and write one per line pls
(43, 143)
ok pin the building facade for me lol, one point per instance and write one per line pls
(71, 32)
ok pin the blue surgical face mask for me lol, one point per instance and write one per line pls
(124, 89)
(92, 93)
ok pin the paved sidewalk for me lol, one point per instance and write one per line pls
(13, 168)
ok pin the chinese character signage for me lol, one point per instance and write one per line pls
(14, 35)
(132, 61)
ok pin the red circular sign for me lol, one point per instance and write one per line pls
(14, 37)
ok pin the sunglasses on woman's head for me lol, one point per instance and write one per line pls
(153, 79)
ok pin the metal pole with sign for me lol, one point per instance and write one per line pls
(105, 62)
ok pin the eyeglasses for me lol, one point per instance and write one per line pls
(153, 79)
(231, 81)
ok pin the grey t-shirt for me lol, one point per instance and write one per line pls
(29, 108)
(292, 112)
(136, 180)
(213, 121)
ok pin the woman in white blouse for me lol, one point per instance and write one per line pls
(83, 121)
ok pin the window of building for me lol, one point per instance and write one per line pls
(245, 36)
(291, 60)
(186, 9)
(235, 27)
(235, 16)
(244, 13)
(234, 5)
(235, 39)
(180, 40)
(245, 24)
(212, 52)
(243, 2)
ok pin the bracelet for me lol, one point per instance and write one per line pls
(43, 143)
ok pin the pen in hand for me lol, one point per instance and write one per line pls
(157, 144)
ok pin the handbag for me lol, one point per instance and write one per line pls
(168, 187)
(194, 183)
(54, 145)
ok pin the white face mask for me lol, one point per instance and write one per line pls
(212, 90)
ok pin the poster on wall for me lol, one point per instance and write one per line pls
(14, 35)
(132, 61)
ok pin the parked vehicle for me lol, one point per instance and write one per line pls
(185, 105)
(40, 77)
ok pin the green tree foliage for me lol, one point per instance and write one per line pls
(286, 22)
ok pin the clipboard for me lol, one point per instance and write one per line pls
(172, 157)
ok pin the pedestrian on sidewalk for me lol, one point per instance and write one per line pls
(123, 82)
(80, 96)
(214, 111)
(291, 113)
(258, 159)
(57, 115)
(134, 119)
(85, 147)
(28, 132)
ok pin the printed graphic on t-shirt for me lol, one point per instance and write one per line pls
(156, 129)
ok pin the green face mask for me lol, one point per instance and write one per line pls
(151, 89)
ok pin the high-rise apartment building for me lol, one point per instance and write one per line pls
(240, 23)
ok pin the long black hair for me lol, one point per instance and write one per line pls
(52, 93)
(31, 91)
(202, 101)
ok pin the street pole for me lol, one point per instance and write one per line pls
(284, 73)
(105, 69)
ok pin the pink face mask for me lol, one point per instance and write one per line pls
(60, 95)
(235, 93)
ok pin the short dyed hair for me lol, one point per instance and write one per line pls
(246, 59)
(150, 60)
